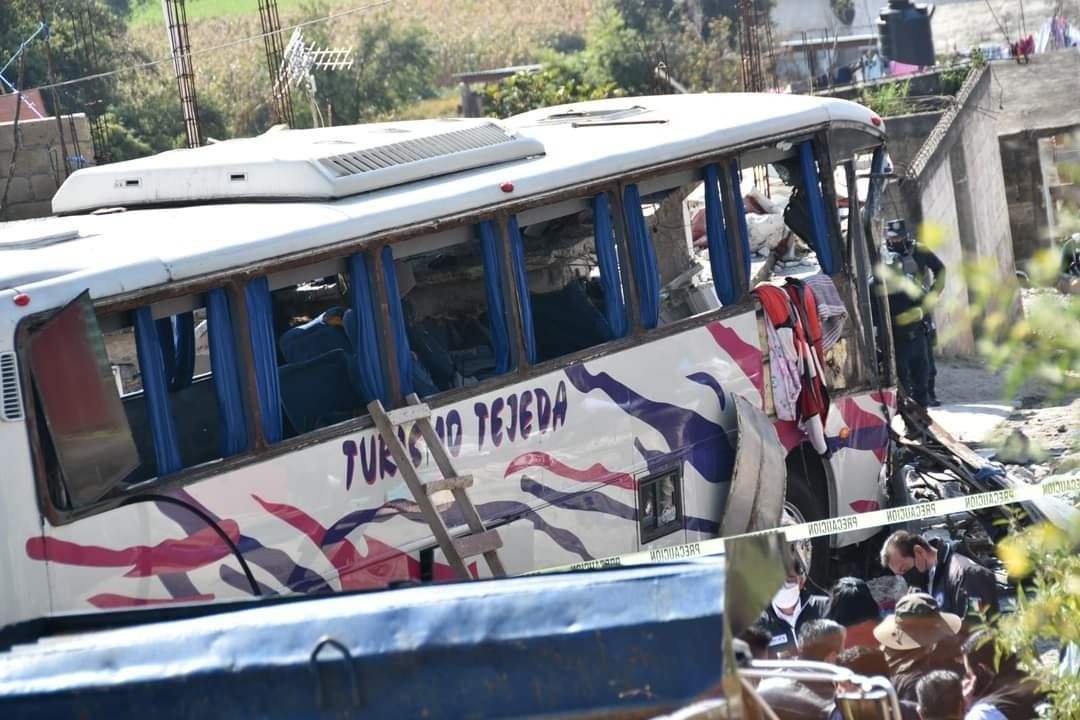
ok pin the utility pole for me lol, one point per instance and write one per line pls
(753, 23)
(180, 46)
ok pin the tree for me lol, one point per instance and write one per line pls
(393, 66)
(557, 83)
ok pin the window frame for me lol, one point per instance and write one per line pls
(234, 279)
(652, 482)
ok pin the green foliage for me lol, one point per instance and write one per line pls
(555, 84)
(953, 78)
(393, 66)
(630, 45)
(1042, 345)
(888, 99)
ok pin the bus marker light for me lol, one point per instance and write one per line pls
(875, 121)
(507, 187)
(22, 299)
(845, 433)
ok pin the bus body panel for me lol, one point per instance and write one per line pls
(337, 515)
(563, 451)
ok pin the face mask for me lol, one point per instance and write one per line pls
(915, 577)
(787, 596)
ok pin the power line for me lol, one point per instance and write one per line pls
(213, 48)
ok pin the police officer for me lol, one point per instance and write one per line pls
(917, 281)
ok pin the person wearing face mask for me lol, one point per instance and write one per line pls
(792, 606)
(958, 584)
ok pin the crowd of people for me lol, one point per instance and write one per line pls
(932, 646)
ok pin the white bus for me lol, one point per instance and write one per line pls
(188, 347)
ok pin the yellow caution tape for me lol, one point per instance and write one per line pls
(845, 523)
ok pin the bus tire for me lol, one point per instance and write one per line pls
(805, 503)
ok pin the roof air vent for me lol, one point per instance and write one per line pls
(289, 165)
(10, 399)
(416, 149)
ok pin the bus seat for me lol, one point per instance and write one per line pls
(423, 382)
(566, 321)
(319, 391)
(317, 337)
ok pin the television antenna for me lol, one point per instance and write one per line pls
(299, 63)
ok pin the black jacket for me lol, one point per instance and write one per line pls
(961, 585)
(784, 645)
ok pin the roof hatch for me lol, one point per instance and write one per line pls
(318, 164)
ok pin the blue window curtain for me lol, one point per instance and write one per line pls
(500, 333)
(740, 211)
(156, 394)
(717, 235)
(517, 251)
(261, 327)
(643, 257)
(397, 323)
(226, 367)
(177, 338)
(816, 205)
(365, 329)
(608, 259)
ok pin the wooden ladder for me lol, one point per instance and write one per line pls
(479, 540)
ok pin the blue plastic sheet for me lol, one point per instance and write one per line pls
(607, 259)
(816, 206)
(643, 256)
(744, 231)
(517, 249)
(261, 327)
(177, 338)
(156, 394)
(365, 330)
(500, 333)
(397, 323)
(716, 233)
(227, 385)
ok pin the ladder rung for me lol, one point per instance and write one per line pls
(450, 483)
(408, 414)
(470, 545)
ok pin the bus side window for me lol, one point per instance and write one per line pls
(453, 309)
(696, 239)
(85, 437)
(326, 354)
(174, 366)
(792, 232)
(568, 270)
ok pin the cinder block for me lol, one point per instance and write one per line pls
(35, 160)
(26, 210)
(18, 191)
(43, 187)
(39, 131)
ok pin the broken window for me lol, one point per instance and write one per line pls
(453, 308)
(90, 449)
(566, 259)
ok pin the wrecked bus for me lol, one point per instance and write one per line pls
(188, 350)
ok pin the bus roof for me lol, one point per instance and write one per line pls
(53, 259)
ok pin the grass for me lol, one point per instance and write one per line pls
(149, 12)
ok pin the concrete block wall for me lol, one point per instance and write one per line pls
(939, 208)
(38, 166)
(953, 182)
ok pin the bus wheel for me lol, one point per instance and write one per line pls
(802, 505)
